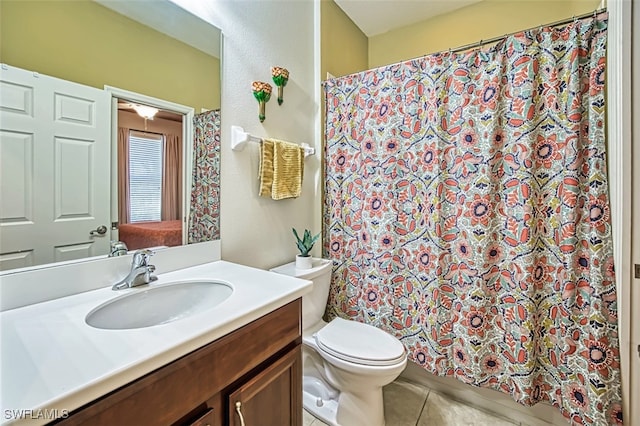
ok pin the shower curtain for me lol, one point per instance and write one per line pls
(204, 217)
(467, 213)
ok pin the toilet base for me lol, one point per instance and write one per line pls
(320, 399)
(363, 409)
(326, 413)
(323, 402)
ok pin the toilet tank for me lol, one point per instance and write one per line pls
(315, 302)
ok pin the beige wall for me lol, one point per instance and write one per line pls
(256, 231)
(483, 20)
(343, 45)
(84, 42)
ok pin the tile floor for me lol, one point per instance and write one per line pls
(407, 404)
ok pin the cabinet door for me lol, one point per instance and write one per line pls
(271, 398)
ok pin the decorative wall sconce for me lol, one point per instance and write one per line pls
(280, 78)
(262, 92)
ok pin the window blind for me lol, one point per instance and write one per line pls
(145, 176)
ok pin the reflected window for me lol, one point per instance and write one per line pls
(145, 176)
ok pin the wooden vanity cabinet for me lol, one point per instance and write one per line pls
(258, 366)
(259, 401)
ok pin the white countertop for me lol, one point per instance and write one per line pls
(52, 360)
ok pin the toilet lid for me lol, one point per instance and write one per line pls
(359, 343)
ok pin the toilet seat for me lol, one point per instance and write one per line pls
(359, 343)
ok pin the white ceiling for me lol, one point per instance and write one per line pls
(375, 17)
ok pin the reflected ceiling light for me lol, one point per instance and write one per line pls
(145, 111)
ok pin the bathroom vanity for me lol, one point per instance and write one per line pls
(254, 371)
(242, 356)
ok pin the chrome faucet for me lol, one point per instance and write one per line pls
(117, 248)
(141, 271)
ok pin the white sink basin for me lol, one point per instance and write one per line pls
(158, 305)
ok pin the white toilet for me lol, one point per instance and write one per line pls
(345, 364)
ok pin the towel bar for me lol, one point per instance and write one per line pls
(239, 139)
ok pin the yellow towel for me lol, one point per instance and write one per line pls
(283, 178)
(266, 168)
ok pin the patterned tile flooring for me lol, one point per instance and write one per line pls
(408, 404)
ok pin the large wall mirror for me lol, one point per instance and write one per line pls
(99, 65)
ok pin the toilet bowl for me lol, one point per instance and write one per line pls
(345, 363)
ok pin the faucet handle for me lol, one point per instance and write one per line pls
(117, 248)
(141, 257)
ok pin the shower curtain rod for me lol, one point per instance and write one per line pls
(492, 40)
(496, 39)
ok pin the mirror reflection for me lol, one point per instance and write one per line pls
(150, 162)
(70, 184)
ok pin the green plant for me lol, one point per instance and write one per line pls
(306, 243)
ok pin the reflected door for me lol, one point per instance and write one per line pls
(55, 169)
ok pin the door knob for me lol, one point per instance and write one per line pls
(101, 230)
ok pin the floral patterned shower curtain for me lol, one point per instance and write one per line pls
(204, 218)
(467, 213)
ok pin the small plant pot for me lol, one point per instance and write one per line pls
(303, 262)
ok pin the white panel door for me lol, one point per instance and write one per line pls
(55, 169)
